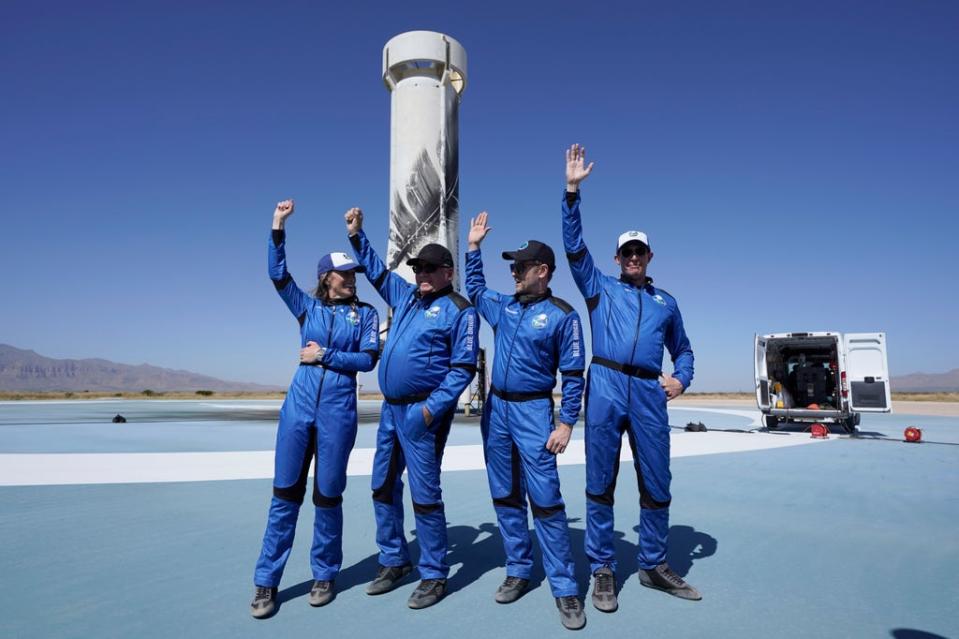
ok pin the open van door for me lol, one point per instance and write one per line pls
(867, 372)
(762, 376)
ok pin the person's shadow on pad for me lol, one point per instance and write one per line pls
(479, 550)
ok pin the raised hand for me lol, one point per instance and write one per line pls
(576, 168)
(354, 221)
(282, 211)
(478, 230)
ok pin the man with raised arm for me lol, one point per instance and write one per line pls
(427, 362)
(632, 322)
(536, 334)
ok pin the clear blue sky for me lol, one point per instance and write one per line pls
(796, 165)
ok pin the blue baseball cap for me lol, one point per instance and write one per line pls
(337, 262)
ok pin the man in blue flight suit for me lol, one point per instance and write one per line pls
(428, 361)
(631, 322)
(536, 334)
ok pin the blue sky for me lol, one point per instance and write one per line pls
(796, 165)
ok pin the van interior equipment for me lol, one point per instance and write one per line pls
(821, 377)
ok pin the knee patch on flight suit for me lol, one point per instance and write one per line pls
(544, 512)
(384, 493)
(606, 498)
(297, 491)
(322, 501)
(645, 499)
(515, 498)
(425, 509)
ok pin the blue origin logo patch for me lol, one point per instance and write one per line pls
(659, 299)
(353, 317)
(523, 245)
(540, 321)
(433, 312)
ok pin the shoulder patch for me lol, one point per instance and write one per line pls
(664, 292)
(561, 304)
(460, 301)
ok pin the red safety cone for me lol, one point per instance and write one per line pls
(819, 431)
(913, 435)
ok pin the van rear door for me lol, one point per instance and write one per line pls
(762, 376)
(867, 372)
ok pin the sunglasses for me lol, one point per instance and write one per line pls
(632, 252)
(520, 268)
(429, 269)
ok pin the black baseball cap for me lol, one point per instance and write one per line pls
(435, 254)
(532, 251)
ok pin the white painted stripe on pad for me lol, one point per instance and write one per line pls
(124, 468)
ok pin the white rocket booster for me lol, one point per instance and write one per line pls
(425, 72)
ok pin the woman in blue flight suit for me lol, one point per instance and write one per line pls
(340, 335)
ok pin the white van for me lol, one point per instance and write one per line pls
(821, 377)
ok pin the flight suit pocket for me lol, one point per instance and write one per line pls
(415, 423)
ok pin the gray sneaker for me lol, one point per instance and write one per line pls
(663, 578)
(387, 578)
(322, 593)
(429, 592)
(571, 612)
(264, 602)
(511, 589)
(604, 590)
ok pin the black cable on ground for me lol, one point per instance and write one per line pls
(839, 436)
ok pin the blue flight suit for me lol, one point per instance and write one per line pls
(318, 417)
(630, 326)
(428, 360)
(534, 336)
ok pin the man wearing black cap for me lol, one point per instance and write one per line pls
(535, 335)
(427, 362)
(632, 322)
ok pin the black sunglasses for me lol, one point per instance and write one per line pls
(521, 267)
(425, 268)
(628, 253)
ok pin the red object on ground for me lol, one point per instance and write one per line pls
(819, 431)
(813, 407)
(913, 435)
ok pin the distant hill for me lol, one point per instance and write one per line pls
(927, 382)
(23, 370)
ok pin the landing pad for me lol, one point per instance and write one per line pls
(151, 529)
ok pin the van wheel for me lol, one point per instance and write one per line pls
(771, 422)
(849, 424)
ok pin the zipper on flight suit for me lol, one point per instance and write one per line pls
(386, 364)
(639, 321)
(509, 358)
(329, 336)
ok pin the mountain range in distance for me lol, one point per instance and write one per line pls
(947, 382)
(25, 370)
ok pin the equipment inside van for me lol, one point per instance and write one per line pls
(816, 377)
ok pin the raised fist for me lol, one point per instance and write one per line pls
(354, 221)
(283, 209)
